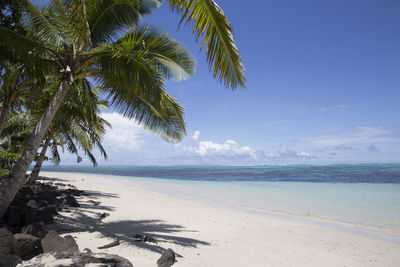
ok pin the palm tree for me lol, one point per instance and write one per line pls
(76, 127)
(79, 39)
(77, 137)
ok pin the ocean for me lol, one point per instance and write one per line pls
(361, 195)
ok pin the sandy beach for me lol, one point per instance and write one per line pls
(207, 235)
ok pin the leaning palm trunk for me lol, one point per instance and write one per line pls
(36, 169)
(9, 186)
(3, 117)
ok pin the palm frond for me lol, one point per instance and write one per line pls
(171, 59)
(55, 155)
(16, 48)
(210, 23)
(40, 25)
(110, 18)
(164, 117)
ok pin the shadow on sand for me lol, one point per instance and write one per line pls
(87, 218)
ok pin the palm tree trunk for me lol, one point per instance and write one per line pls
(3, 116)
(9, 186)
(38, 165)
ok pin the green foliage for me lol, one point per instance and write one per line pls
(109, 19)
(7, 159)
(12, 140)
(210, 23)
(10, 16)
(100, 44)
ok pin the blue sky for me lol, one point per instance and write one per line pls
(322, 87)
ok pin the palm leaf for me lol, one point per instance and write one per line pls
(16, 48)
(164, 118)
(170, 58)
(40, 25)
(210, 23)
(109, 18)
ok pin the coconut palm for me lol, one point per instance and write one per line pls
(80, 40)
(76, 127)
(78, 137)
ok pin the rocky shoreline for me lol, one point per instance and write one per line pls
(28, 236)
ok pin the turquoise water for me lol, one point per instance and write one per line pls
(367, 195)
(375, 205)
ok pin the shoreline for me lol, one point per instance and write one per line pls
(199, 219)
(387, 233)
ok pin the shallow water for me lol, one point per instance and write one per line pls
(366, 195)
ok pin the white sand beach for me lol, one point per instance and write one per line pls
(208, 235)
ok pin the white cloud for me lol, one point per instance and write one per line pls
(125, 134)
(209, 150)
(286, 153)
(230, 151)
(196, 135)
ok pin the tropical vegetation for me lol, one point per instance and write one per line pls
(70, 47)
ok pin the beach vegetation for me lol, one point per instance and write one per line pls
(77, 127)
(99, 43)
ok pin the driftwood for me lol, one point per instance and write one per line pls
(110, 245)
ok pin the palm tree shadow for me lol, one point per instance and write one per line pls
(87, 219)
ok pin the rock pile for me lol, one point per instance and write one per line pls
(25, 238)
(35, 206)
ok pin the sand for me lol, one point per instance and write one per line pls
(206, 235)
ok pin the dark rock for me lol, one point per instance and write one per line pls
(29, 246)
(55, 243)
(9, 249)
(25, 191)
(110, 245)
(37, 188)
(16, 217)
(49, 209)
(45, 215)
(78, 260)
(48, 196)
(37, 229)
(70, 201)
(104, 215)
(13, 217)
(7, 242)
(167, 259)
(9, 260)
(70, 244)
(87, 250)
